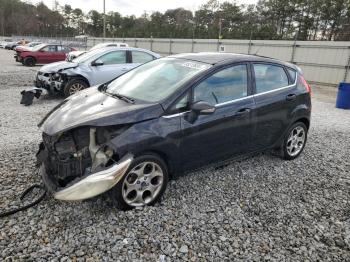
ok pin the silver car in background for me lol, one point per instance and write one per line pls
(92, 68)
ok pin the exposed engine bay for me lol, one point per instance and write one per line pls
(76, 153)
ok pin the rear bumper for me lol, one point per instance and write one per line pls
(91, 185)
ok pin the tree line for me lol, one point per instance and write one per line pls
(268, 19)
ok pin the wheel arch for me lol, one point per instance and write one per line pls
(79, 76)
(29, 56)
(304, 120)
(161, 155)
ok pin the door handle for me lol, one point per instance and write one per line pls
(291, 97)
(124, 69)
(243, 111)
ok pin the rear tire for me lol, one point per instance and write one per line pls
(73, 86)
(29, 61)
(143, 183)
(294, 141)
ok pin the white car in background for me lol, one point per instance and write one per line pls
(92, 68)
(5, 42)
(74, 54)
(109, 44)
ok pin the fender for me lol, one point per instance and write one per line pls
(153, 135)
(300, 112)
(76, 72)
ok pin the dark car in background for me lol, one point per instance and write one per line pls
(43, 54)
(168, 116)
(13, 45)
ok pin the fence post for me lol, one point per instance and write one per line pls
(170, 46)
(347, 67)
(192, 47)
(294, 48)
(250, 46)
(151, 40)
(135, 42)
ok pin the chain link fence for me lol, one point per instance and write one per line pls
(323, 62)
(79, 43)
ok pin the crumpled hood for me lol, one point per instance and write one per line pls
(57, 66)
(22, 48)
(94, 108)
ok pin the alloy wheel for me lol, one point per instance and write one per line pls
(75, 88)
(296, 141)
(142, 184)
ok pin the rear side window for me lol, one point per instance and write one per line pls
(112, 58)
(269, 77)
(292, 73)
(65, 49)
(141, 57)
(226, 85)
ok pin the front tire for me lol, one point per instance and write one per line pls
(73, 86)
(294, 141)
(143, 184)
(29, 61)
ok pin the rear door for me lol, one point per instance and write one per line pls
(275, 98)
(139, 58)
(114, 64)
(62, 52)
(228, 130)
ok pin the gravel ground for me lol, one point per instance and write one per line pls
(260, 208)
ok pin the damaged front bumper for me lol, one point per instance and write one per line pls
(91, 185)
(50, 81)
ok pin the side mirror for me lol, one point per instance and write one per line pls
(199, 108)
(97, 62)
(203, 108)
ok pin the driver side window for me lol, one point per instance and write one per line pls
(113, 58)
(226, 85)
(49, 48)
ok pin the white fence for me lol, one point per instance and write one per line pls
(323, 62)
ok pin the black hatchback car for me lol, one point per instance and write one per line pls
(171, 115)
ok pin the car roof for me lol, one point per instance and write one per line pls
(127, 48)
(214, 58)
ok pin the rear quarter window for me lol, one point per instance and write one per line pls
(292, 73)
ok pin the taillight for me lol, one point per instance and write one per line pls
(305, 84)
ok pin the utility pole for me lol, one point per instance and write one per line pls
(220, 28)
(104, 18)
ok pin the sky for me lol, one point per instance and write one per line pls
(134, 7)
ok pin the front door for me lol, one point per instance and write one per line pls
(46, 54)
(227, 131)
(114, 64)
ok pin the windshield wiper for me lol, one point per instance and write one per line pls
(123, 97)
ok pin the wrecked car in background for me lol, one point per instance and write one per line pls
(166, 117)
(42, 54)
(92, 68)
(28, 46)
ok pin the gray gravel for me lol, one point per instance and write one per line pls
(260, 208)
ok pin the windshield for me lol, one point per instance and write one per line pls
(82, 58)
(156, 80)
(38, 47)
